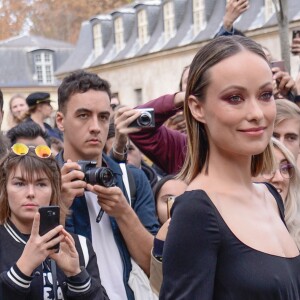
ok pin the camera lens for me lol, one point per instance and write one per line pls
(106, 177)
(102, 176)
(144, 119)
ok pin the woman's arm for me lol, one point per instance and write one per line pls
(190, 250)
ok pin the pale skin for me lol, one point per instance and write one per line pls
(24, 198)
(241, 104)
(37, 250)
(283, 82)
(233, 10)
(88, 114)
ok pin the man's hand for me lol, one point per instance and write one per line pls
(72, 182)
(111, 200)
(177, 122)
(234, 9)
(284, 82)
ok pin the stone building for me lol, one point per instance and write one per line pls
(28, 64)
(142, 48)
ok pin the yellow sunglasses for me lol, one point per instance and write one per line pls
(42, 151)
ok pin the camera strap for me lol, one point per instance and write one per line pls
(54, 278)
(129, 183)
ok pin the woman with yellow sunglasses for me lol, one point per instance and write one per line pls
(29, 269)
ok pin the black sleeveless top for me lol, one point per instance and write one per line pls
(204, 260)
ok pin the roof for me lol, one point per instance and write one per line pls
(252, 19)
(16, 59)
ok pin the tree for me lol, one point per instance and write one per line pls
(61, 19)
(57, 19)
(13, 15)
(281, 8)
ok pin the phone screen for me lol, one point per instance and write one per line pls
(49, 219)
(279, 64)
(170, 202)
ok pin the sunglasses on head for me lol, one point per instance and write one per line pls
(42, 151)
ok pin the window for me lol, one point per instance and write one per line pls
(138, 96)
(169, 22)
(119, 34)
(43, 62)
(198, 15)
(142, 27)
(97, 35)
(269, 9)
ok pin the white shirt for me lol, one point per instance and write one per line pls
(108, 256)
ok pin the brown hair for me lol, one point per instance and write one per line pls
(30, 165)
(211, 54)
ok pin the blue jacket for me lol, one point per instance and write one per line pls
(144, 207)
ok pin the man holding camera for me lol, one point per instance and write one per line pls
(123, 232)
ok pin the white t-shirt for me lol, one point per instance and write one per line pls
(108, 256)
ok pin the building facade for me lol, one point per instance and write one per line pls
(28, 64)
(142, 48)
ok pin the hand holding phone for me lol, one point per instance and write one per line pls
(49, 219)
(278, 64)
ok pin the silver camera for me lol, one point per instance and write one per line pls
(145, 120)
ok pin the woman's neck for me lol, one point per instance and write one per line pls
(225, 173)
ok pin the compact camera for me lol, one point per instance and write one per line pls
(145, 120)
(94, 175)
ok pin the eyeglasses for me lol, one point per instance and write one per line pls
(286, 170)
(42, 151)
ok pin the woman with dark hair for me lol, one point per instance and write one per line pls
(165, 192)
(29, 267)
(228, 238)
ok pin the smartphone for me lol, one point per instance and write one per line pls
(279, 64)
(170, 201)
(49, 219)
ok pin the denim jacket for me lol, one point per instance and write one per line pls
(144, 207)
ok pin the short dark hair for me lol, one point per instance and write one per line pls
(28, 130)
(1, 100)
(80, 82)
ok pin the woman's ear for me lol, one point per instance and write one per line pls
(197, 109)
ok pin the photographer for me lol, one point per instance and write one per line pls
(125, 231)
(30, 178)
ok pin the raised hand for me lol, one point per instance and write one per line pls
(234, 9)
(72, 182)
(37, 247)
(67, 258)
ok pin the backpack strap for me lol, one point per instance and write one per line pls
(132, 186)
(84, 248)
(129, 183)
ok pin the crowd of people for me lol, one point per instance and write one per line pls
(203, 202)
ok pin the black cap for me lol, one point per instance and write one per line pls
(38, 97)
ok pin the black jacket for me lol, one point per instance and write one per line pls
(17, 286)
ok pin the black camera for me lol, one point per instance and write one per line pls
(94, 175)
(146, 119)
